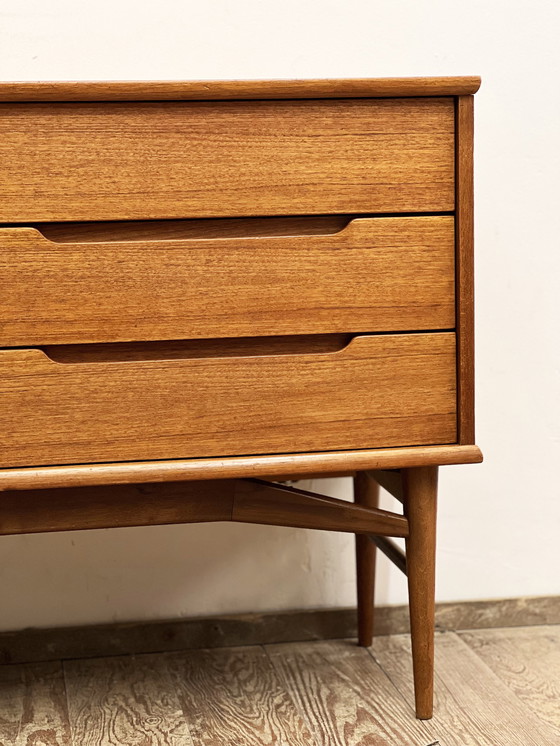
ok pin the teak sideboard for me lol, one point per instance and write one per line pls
(212, 288)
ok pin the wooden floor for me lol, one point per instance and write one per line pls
(497, 687)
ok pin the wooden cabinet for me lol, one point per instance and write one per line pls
(237, 280)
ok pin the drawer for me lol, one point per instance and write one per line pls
(160, 160)
(377, 391)
(374, 274)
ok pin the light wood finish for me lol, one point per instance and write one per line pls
(236, 697)
(124, 701)
(291, 464)
(277, 505)
(366, 494)
(527, 660)
(141, 161)
(45, 716)
(392, 274)
(312, 692)
(11, 710)
(473, 705)
(391, 551)
(245, 501)
(33, 708)
(236, 89)
(346, 699)
(420, 492)
(388, 390)
(465, 267)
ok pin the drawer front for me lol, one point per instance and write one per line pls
(378, 274)
(150, 160)
(378, 391)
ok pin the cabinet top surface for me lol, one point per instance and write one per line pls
(235, 89)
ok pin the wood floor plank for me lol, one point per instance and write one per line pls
(44, 720)
(473, 707)
(126, 700)
(233, 697)
(11, 699)
(345, 697)
(493, 688)
(527, 660)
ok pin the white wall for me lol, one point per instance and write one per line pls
(499, 522)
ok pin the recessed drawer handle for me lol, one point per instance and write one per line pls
(294, 229)
(196, 349)
(191, 230)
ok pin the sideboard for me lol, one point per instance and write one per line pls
(210, 289)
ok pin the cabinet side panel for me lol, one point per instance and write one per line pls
(464, 228)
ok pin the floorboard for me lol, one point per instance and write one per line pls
(233, 696)
(473, 707)
(345, 698)
(33, 707)
(11, 699)
(124, 701)
(527, 660)
(497, 687)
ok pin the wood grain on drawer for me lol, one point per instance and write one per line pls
(379, 391)
(378, 274)
(150, 160)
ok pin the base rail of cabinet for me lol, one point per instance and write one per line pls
(391, 551)
(239, 500)
(392, 481)
(281, 466)
(257, 501)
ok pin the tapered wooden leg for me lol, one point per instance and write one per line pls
(420, 494)
(366, 492)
